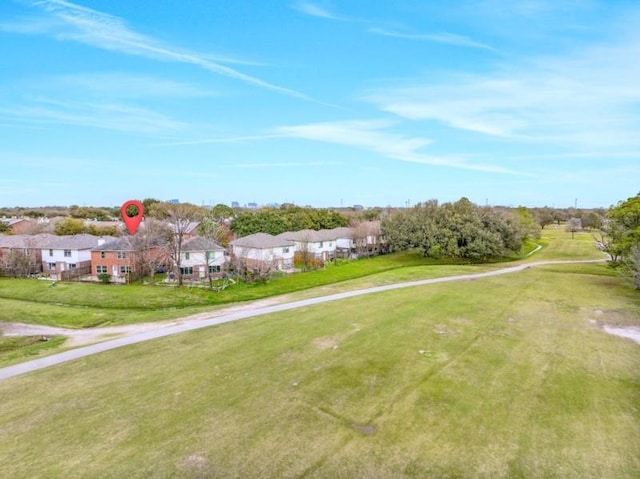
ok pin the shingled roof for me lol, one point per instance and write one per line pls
(83, 241)
(27, 241)
(261, 241)
(198, 243)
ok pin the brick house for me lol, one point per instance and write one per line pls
(120, 259)
(30, 247)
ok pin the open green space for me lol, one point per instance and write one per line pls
(79, 305)
(501, 377)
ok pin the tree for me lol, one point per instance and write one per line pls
(632, 262)
(181, 217)
(69, 226)
(212, 227)
(4, 227)
(573, 225)
(592, 220)
(527, 223)
(18, 263)
(453, 230)
(149, 246)
(623, 229)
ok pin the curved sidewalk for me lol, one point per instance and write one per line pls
(54, 359)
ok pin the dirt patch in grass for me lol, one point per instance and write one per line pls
(330, 342)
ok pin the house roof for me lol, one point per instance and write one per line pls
(26, 241)
(116, 244)
(124, 243)
(261, 241)
(83, 241)
(314, 236)
(198, 243)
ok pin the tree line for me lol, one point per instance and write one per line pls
(459, 230)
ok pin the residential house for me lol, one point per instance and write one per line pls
(65, 257)
(120, 258)
(21, 255)
(319, 245)
(201, 257)
(368, 239)
(263, 251)
(19, 226)
(345, 245)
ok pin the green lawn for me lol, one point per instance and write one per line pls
(501, 377)
(78, 305)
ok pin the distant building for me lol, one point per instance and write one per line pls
(235, 204)
(174, 201)
(253, 206)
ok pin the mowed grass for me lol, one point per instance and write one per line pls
(501, 377)
(82, 305)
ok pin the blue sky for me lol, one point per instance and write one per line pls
(322, 103)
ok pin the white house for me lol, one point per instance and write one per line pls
(319, 244)
(70, 253)
(264, 251)
(201, 256)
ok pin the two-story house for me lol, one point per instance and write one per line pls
(122, 258)
(70, 256)
(201, 257)
(263, 251)
(21, 255)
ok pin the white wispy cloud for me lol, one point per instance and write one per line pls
(314, 10)
(443, 37)
(109, 116)
(284, 164)
(120, 85)
(588, 99)
(371, 136)
(447, 38)
(92, 27)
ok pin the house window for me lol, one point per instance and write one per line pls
(50, 252)
(122, 255)
(102, 255)
(215, 268)
(67, 253)
(72, 265)
(51, 265)
(26, 251)
(186, 270)
(285, 250)
(125, 269)
(100, 269)
(320, 244)
(187, 255)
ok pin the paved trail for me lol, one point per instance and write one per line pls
(155, 330)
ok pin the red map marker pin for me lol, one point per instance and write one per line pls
(132, 222)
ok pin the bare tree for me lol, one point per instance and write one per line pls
(181, 217)
(212, 228)
(150, 247)
(18, 263)
(573, 225)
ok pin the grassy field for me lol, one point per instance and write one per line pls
(81, 305)
(502, 377)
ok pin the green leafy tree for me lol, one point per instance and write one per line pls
(623, 230)
(69, 226)
(453, 230)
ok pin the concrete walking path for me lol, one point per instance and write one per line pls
(161, 331)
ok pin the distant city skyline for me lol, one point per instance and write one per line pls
(320, 103)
